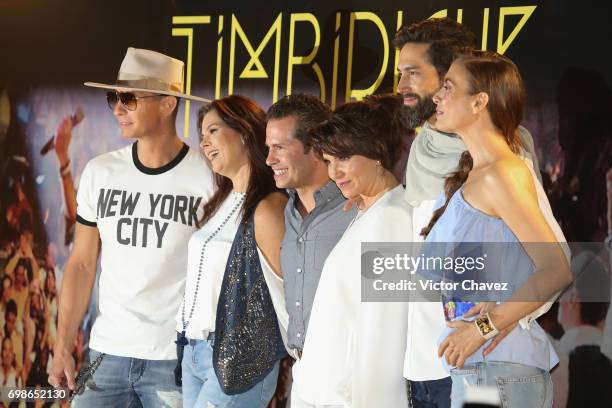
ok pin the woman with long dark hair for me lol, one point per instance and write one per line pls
(228, 328)
(494, 198)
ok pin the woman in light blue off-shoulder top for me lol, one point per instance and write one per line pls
(492, 207)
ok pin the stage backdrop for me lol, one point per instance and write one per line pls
(339, 50)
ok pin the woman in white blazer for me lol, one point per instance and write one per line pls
(353, 349)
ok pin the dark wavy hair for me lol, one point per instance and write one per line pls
(498, 77)
(447, 39)
(246, 117)
(373, 128)
(308, 111)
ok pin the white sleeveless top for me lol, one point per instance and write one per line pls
(215, 258)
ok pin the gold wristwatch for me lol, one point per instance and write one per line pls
(485, 326)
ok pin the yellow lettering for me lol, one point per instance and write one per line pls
(400, 19)
(335, 67)
(360, 93)
(485, 29)
(188, 32)
(440, 14)
(219, 59)
(307, 59)
(258, 71)
(526, 11)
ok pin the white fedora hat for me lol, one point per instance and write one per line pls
(150, 71)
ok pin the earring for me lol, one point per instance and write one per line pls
(242, 139)
(378, 163)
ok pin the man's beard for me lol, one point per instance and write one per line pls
(415, 116)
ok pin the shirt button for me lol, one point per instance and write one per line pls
(301, 239)
(299, 270)
(297, 303)
(299, 335)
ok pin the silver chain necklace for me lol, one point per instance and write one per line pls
(182, 340)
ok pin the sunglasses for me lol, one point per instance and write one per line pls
(127, 99)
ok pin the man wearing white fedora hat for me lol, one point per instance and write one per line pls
(137, 206)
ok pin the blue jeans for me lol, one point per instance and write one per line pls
(130, 382)
(517, 385)
(430, 394)
(201, 386)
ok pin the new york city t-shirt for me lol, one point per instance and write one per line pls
(145, 217)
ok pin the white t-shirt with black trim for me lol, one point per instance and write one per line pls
(145, 217)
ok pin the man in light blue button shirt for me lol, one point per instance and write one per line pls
(314, 216)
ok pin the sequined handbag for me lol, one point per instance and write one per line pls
(248, 341)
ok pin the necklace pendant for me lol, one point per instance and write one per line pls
(181, 340)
